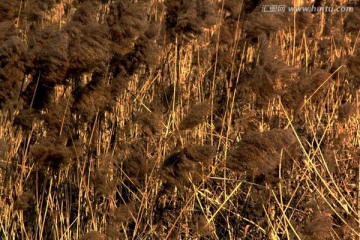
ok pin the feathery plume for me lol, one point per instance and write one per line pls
(196, 115)
(151, 122)
(188, 165)
(259, 154)
(346, 111)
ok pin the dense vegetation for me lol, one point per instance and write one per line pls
(178, 119)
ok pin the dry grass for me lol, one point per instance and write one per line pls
(178, 120)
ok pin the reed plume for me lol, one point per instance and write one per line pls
(50, 154)
(196, 115)
(93, 235)
(259, 154)
(318, 227)
(306, 85)
(8, 10)
(188, 18)
(346, 111)
(352, 21)
(187, 165)
(24, 201)
(12, 68)
(151, 122)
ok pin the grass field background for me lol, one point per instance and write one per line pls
(179, 120)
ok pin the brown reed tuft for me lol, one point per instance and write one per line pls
(146, 51)
(47, 63)
(36, 43)
(200, 153)
(133, 38)
(89, 46)
(103, 185)
(305, 85)
(4, 148)
(261, 22)
(93, 236)
(119, 85)
(24, 201)
(259, 154)
(352, 21)
(151, 122)
(7, 29)
(127, 22)
(11, 67)
(57, 118)
(226, 34)
(258, 23)
(233, 9)
(196, 115)
(11, 76)
(86, 12)
(37, 10)
(11, 48)
(52, 59)
(51, 154)
(270, 75)
(123, 213)
(346, 231)
(353, 65)
(93, 98)
(188, 18)
(330, 159)
(112, 232)
(26, 118)
(8, 10)
(200, 226)
(346, 111)
(187, 165)
(136, 164)
(318, 227)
